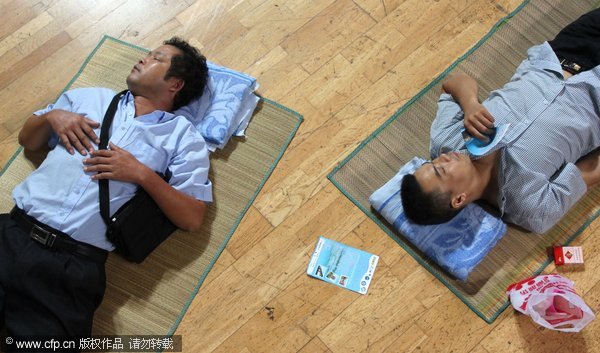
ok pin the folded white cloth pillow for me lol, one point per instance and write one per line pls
(225, 107)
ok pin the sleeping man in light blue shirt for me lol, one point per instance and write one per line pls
(64, 195)
(53, 289)
(538, 170)
(544, 163)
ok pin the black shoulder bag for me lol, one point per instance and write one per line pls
(139, 226)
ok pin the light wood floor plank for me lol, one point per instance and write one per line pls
(315, 346)
(320, 40)
(16, 39)
(249, 233)
(17, 13)
(347, 66)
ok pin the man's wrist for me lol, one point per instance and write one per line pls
(472, 103)
(145, 176)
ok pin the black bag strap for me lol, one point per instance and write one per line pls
(103, 183)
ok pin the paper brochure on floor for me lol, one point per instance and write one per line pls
(342, 265)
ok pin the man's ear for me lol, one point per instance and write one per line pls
(459, 201)
(176, 84)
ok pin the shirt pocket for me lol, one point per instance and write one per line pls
(151, 156)
(505, 115)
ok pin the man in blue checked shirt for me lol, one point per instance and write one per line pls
(53, 289)
(547, 159)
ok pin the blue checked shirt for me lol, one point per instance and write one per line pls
(60, 194)
(554, 122)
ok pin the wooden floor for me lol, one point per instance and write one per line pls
(346, 66)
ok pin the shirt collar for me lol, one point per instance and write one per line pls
(156, 117)
(543, 57)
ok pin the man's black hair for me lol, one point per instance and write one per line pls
(190, 66)
(425, 208)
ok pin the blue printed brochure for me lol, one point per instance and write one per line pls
(342, 265)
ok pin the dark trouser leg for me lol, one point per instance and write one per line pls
(579, 42)
(47, 292)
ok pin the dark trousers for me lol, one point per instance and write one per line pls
(579, 42)
(45, 292)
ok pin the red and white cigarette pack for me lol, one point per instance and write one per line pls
(565, 255)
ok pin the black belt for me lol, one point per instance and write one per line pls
(570, 66)
(54, 239)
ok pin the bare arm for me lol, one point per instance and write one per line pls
(589, 166)
(35, 133)
(463, 89)
(183, 210)
(74, 130)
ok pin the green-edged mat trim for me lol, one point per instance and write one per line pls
(373, 135)
(418, 258)
(242, 214)
(427, 88)
(87, 60)
(12, 159)
(76, 76)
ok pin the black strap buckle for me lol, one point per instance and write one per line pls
(42, 236)
(570, 66)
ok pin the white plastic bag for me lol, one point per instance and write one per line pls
(551, 301)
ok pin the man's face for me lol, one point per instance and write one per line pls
(453, 172)
(149, 72)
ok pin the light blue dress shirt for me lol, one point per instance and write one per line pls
(554, 122)
(60, 194)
